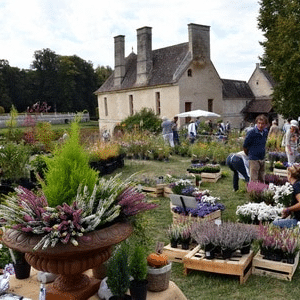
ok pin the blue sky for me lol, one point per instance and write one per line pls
(87, 28)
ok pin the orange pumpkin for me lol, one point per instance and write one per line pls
(157, 260)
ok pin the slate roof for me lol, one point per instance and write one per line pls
(259, 106)
(236, 89)
(165, 62)
(268, 76)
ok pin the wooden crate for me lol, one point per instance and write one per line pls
(238, 265)
(156, 191)
(167, 191)
(210, 177)
(272, 268)
(215, 215)
(280, 172)
(176, 254)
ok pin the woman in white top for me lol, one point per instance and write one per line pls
(291, 142)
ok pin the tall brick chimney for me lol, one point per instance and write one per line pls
(119, 60)
(144, 54)
(199, 42)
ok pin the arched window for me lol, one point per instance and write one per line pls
(189, 73)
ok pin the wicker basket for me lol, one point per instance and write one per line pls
(158, 279)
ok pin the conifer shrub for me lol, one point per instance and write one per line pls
(67, 170)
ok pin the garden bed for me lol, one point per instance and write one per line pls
(280, 172)
(177, 254)
(279, 270)
(238, 265)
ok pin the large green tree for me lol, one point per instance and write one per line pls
(279, 21)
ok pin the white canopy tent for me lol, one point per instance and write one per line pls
(197, 113)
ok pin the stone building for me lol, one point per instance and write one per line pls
(169, 80)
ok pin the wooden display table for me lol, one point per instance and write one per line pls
(277, 269)
(239, 265)
(29, 288)
(280, 172)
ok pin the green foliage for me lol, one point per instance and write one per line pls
(2, 110)
(145, 119)
(138, 263)
(13, 160)
(67, 170)
(279, 20)
(118, 271)
(45, 134)
(4, 256)
(12, 133)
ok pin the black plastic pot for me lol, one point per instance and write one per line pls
(125, 297)
(22, 270)
(138, 289)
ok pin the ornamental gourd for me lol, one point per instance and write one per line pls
(157, 260)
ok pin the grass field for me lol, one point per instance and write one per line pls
(202, 285)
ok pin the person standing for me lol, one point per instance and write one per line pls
(255, 147)
(167, 131)
(175, 131)
(291, 142)
(192, 131)
(239, 164)
(293, 177)
(287, 125)
(274, 129)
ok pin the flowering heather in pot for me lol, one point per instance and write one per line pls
(275, 179)
(111, 200)
(273, 238)
(258, 191)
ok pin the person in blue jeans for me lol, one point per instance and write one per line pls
(293, 210)
(239, 164)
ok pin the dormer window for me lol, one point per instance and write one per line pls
(189, 73)
(256, 82)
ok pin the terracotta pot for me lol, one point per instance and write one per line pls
(68, 261)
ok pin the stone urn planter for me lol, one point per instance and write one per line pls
(69, 261)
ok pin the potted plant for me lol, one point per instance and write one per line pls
(118, 275)
(76, 226)
(173, 233)
(159, 272)
(138, 270)
(21, 266)
(185, 236)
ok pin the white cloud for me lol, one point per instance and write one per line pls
(86, 28)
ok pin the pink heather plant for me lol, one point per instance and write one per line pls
(132, 202)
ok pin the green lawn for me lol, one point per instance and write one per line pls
(202, 285)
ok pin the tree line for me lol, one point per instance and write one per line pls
(66, 83)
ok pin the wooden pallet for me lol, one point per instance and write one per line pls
(210, 177)
(156, 191)
(272, 268)
(176, 254)
(280, 172)
(238, 265)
